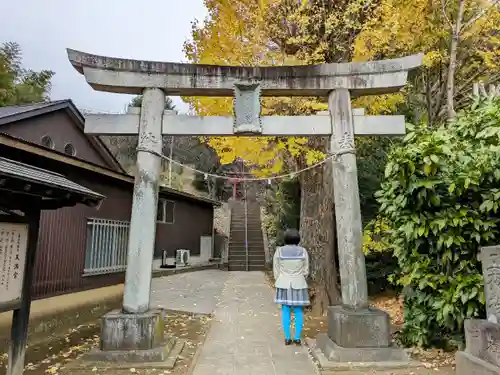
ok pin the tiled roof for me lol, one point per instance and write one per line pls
(17, 170)
(27, 172)
(18, 109)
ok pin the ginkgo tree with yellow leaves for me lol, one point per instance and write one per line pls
(461, 45)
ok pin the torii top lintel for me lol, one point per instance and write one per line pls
(133, 76)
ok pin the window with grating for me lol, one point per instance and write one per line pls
(46, 141)
(69, 149)
(106, 246)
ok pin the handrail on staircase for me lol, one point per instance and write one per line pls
(246, 223)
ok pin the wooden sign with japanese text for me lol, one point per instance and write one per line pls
(13, 248)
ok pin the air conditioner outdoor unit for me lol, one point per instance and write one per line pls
(182, 258)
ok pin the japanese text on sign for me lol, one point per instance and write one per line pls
(13, 247)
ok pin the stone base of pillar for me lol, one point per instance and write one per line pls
(134, 339)
(336, 353)
(358, 338)
(467, 364)
(142, 331)
(365, 328)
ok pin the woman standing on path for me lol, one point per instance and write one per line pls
(291, 268)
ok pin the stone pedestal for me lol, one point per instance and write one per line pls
(366, 328)
(482, 353)
(133, 338)
(359, 336)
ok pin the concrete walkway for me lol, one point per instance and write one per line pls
(196, 292)
(245, 337)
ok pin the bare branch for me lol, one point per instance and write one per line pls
(479, 15)
(443, 8)
(470, 80)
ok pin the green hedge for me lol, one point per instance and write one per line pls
(440, 198)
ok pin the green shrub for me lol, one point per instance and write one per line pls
(440, 197)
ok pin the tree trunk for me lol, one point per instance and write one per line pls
(455, 37)
(317, 228)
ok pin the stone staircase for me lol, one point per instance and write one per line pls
(237, 251)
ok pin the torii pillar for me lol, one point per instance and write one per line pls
(356, 333)
(234, 182)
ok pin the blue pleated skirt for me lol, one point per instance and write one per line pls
(292, 297)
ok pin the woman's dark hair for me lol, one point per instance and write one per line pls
(291, 237)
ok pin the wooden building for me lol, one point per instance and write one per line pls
(82, 247)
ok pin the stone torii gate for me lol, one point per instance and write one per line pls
(356, 333)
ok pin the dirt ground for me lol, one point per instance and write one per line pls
(53, 358)
(434, 361)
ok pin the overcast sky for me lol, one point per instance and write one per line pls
(144, 29)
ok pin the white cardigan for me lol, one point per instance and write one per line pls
(291, 267)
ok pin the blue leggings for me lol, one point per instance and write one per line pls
(286, 318)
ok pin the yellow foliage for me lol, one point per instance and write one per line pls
(401, 27)
(375, 236)
(280, 32)
(235, 33)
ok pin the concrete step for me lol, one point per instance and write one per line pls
(241, 215)
(251, 243)
(242, 239)
(242, 262)
(254, 243)
(242, 221)
(238, 245)
(253, 260)
(243, 258)
(241, 230)
(250, 214)
(249, 236)
(254, 238)
(242, 226)
(248, 224)
(251, 250)
(259, 267)
(251, 246)
(242, 247)
(248, 232)
(241, 236)
(242, 250)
